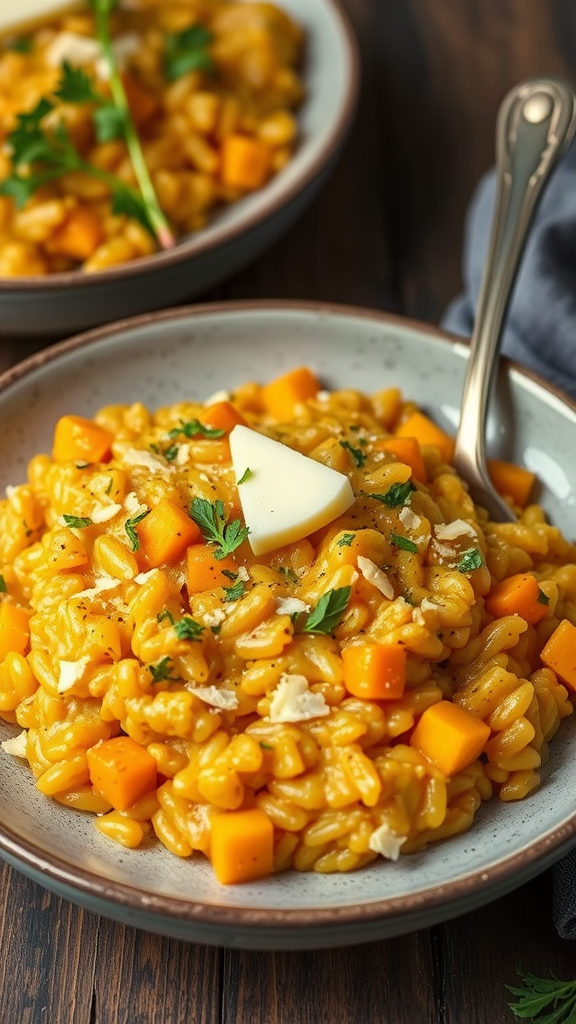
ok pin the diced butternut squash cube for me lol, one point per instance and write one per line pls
(241, 846)
(121, 771)
(450, 736)
(166, 532)
(82, 439)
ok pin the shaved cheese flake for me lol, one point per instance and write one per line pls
(100, 584)
(243, 574)
(375, 576)
(183, 456)
(291, 606)
(426, 605)
(71, 672)
(133, 505)
(226, 700)
(218, 396)
(215, 618)
(409, 519)
(459, 528)
(443, 550)
(73, 48)
(103, 513)
(287, 495)
(293, 701)
(385, 842)
(143, 577)
(141, 457)
(16, 745)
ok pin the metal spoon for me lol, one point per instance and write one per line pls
(536, 123)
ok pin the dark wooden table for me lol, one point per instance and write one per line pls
(386, 232)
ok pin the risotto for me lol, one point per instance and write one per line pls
(208, 89)
(353, 691)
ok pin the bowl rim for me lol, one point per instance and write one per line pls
(198, 244)
(456, 895)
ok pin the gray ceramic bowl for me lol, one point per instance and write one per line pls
(59, 304)
(167, 357)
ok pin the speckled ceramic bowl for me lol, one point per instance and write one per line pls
(165, 358)
(59, 304)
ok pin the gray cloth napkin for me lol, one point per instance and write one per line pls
(540, 333)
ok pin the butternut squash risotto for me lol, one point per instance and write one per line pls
(389, 659)
(124, 128)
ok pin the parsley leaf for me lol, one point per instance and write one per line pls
(538, 994)
(326, 615)
(109, 122)
(165, 614)
(470, 560)
(397, 494)
(77, 522)
(404, 543)
(75, 86)
(194, 428)
(188, 629)
(357, 454)
(211, 518)
(3, 587)
(161, 670)
(345, 540)
(22, 44)
(235, 592)
(288, 573)
(245, 476)
(130, 527)
(542, 597)
(187, 51)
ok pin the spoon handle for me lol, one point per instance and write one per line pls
(536, 123)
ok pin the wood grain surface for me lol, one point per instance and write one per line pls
(386, 232)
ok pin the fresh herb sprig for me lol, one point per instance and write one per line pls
(187, 51)
(211, 518)
(470, 560)
(396, 495)
(194, 428)
(102, 10)
(536, 995)
(130, 527)
(326, 615)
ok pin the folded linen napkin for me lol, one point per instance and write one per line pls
(540, 333)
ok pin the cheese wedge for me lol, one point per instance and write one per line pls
(284, 495)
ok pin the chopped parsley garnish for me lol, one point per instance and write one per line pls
(194, 428)
(170, 453)
(161, 670)
(288, 573)
(470, 560)
(245, 476)
(165, 614)
(188, 629)
(397, 494)
(266, 746)
(326, 615)
(542, 597)
(211, 518)
(357, 454)
(187, 51)
(77, 522)
(22, 44)
(3, 587)
(235, 592)
(130, 527)
(345, 540)
(404, 543)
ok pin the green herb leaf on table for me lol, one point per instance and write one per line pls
(77, 522)
(538, 994)
(130, 527)
(188, 629)
(326, 615)
(187, 51)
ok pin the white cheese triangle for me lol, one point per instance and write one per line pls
(285, 495)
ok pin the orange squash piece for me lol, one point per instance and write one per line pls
(14, 629)
(511, 481)
(450, 736)
(517, 595)
(425, 431)
(246, 162)
(282, 395)
(79, 235)
(222, 416)
(82, 439)
(241, 846)
(406, 450)
(204, 571)
(559, 653)
(121, 771)
(375, 671)
(165, 533)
